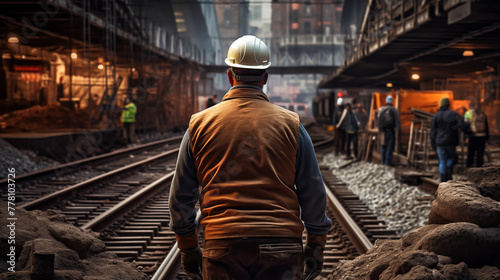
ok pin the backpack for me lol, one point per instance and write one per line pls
(386, 119)
(478, 122)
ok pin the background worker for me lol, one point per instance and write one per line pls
(351, 124)
(260, 183)
(339, 133)
(128, 120)
(478, 134)
(362, 116)
(388, 125)
(445, 126)
(211, 101)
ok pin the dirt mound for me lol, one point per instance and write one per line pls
(459, 251)
(78, 254)
(46, 117)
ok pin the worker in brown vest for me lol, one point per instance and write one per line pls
(252, 166)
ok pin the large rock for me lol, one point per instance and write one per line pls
(463, 242)
(487, 179)
(65, 258)
(461, 201)
(78, 254)
(83, 242)
(460, 251)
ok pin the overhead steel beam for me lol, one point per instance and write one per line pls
(280, 70)
(471, 34)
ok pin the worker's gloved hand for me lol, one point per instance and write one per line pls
(191, 260)
(191, 255)
(313, 255)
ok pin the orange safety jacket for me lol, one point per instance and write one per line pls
(244, 151)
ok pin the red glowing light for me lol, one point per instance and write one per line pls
(27, 68)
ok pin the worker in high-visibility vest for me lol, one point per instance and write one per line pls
(478, 133)
(128, 120)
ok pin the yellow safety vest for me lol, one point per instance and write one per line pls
(128, 114)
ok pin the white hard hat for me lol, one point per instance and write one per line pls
(248, 52)
(340, 101)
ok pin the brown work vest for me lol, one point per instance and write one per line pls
(244, 150)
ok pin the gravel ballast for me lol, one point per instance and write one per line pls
(396, 203)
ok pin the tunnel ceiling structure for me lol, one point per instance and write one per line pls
(428, 39)
(57, 25)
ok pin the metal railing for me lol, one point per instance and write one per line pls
(382, 23)
(311, 40)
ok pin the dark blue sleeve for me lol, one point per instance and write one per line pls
(310, 187)
(184, 191)
(396, 118)
(433, 132)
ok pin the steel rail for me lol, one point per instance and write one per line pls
(170, 266)
(429, 184)
(48, 200)
(104, 220)
(356, 235)
(323, 143)
(74, 164)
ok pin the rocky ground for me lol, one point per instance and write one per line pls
(23, 161)
(461, 241)
(77, 254)
(400, 205)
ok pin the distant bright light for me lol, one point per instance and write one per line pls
(74, 55)
(133, 69)
(100, 66)
(13, 40)
(388, 85)
(468, 53)
(339, 94)
(415, 76)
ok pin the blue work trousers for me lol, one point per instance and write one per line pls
(447, 156)
(387, 149)
(352, 137)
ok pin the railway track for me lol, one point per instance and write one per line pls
(128, 206)
(345, 240)
(353, 232)
(62, 178)
(124, 198)
(137, 228)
